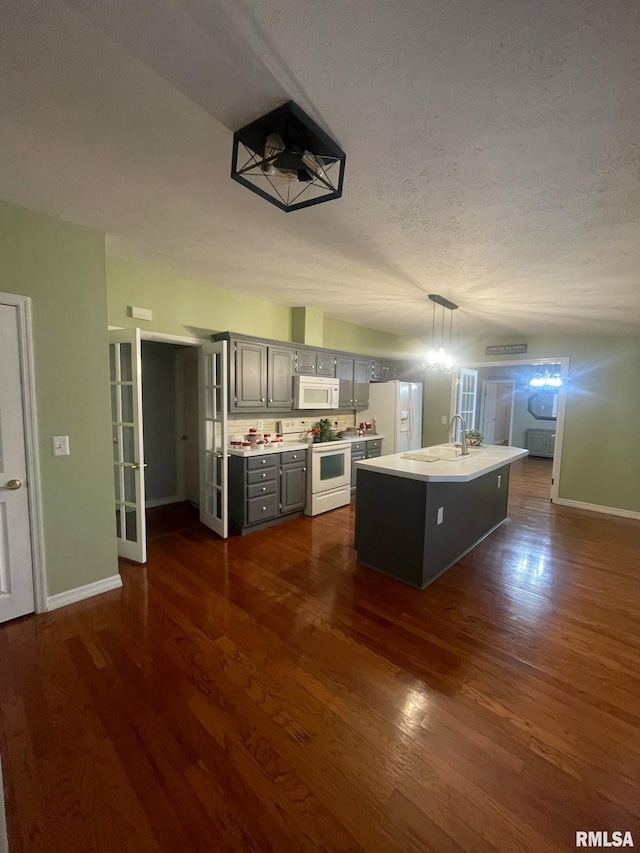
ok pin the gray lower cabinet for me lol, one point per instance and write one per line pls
(293, 481)
(363, 449)
(541, 442)
(264, 490)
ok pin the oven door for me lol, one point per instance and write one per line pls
(330, 467)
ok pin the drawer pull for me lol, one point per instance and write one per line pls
(295, 455)
(264, 461)
(264, 488)
(263, 476)
(264, 509)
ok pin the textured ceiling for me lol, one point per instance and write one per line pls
(492, 149)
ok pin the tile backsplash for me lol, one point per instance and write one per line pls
(241, 423)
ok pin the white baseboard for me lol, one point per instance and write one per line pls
(4, 841)
(163, 501)
(606, 510)
(82, 592)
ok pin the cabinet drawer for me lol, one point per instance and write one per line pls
(256, 462)
(357, 447)
(374, 444)
(260, 476)
(293, 456)
(374, 452)
(262, 509)
(265, 487)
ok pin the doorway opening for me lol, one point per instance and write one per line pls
(513, 412)
(170, 435)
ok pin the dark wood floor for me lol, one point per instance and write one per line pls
(267, 694)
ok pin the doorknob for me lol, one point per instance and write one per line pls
(13, 484)
(136, 466)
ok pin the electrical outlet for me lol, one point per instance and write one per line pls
(335, 423)
(443, 420)
(260, 424)
(60, 445)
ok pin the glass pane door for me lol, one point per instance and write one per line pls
(467, 396)
(214, 445)
(126, 436)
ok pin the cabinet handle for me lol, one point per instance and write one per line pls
(304, 469)
(262, 399)
(264, 509)
(263, 476)
(271, 399)
(264, 488)
(295, 455)
(264, 461)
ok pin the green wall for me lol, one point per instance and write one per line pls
(189, 306)
(61, 267)
(600, 462)
(194, 307)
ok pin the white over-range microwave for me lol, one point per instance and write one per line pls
(315, 392)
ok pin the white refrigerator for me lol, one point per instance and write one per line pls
(397, 409)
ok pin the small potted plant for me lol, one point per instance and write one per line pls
(474, 437)
(322, 431)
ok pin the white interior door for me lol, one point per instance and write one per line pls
(16, 566)
(466, 399)
(125, 360)
(214, 444)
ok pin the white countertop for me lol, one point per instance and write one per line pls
(368, 437)
(445, 471)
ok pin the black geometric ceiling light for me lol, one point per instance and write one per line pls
(288, 160)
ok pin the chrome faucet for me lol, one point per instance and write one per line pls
(465, 449)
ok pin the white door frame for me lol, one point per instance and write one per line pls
(513, 394)
(564, 362)
(28, 376)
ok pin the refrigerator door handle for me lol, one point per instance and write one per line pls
(410, 395)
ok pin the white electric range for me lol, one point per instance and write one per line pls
(328, 468)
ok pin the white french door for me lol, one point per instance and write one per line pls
(125, 361)
(214, 453)
(466, 399)
(16, 563)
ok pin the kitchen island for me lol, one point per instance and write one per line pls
(416, 518)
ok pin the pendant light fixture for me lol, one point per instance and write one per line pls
(437, 357)
(287, 159)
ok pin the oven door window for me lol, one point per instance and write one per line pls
(332, 466)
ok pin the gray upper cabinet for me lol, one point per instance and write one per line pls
(306, 362)
(326, 364)
(361, 378)
(315, 362)
(279, 378)
(344, 372)
(250, 369)
(383, 371)
(261, 373)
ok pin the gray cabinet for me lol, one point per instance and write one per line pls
(293, 481)
(249, 375)
(541, 442)
(266, 489)
(315, 362)
(344, 372)
(279, 378)
(364, 448)
(361, 379)
(383, 370)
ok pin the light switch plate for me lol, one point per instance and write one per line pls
(443, 420)
(60, 445)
